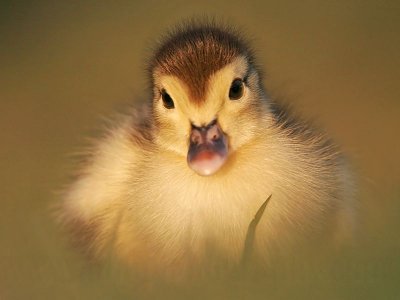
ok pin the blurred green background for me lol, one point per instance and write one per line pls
(63, 65)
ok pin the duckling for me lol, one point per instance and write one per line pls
(172, 187)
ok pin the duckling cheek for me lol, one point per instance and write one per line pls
(208, 150)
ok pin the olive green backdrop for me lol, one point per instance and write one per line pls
(63, 66)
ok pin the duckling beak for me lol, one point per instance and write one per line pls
(208, 149)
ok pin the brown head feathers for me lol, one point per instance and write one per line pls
(192, 52)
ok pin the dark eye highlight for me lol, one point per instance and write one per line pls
(167, 100)
(236, 89)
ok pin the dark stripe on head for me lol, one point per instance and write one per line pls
(193, 52)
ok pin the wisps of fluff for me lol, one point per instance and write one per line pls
(147, 207)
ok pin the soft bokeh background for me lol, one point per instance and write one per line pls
(65, 64)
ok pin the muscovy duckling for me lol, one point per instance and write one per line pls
(171, 189)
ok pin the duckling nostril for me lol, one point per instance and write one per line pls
(213, 133)
(195, 137)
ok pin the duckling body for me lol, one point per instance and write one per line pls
(172, 188)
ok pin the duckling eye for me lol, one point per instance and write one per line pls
(236, 90)
(167, 100)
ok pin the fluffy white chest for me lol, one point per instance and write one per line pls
(177, 211)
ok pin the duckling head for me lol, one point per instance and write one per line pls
(207, 96)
